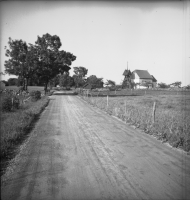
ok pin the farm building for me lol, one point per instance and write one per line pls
(141, 78)
(154, 81)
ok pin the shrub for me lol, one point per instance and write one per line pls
(16, 102)
(35, 95)
(6, 103)
(15, 125)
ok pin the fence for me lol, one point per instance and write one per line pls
(168, 125)
(18, 97)
(134, 92)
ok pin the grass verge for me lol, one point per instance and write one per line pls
(16, 125)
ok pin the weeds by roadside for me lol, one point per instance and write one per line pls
(17, 123)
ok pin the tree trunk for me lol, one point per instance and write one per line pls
(26, 84)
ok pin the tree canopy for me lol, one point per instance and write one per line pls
(65, 80)
(176, 84)
(163, 85)
(110, 83)
(95, 82)
(42, 61)
(79, 76)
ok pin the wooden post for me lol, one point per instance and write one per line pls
(107, 101)
(153, 113)
(12, 103)
(125, 107)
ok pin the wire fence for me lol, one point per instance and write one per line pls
(165, 124)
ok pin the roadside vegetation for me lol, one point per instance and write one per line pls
(17, 121)
(172, 116)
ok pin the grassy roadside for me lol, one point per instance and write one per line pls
(172, 118)
(15, 125)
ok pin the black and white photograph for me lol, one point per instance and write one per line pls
(95, 100)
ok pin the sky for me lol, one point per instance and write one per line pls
(106, 35)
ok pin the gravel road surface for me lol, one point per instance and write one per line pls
(77, 151)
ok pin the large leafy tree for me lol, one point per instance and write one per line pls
(79, 75)
(42, 61)
(17, 62)
(51, 61)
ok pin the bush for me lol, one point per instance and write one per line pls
(35, 95)
(6, 103)
(16, 102)
(15, 125)
(68, 88)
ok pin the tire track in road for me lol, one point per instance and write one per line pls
(78, 152)
(149, 159)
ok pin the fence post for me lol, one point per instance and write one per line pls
(153, 113)
(12, 103)
(125, 107)
(107, 101)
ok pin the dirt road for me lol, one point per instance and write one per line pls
(78, 152)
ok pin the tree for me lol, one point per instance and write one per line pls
(22, 60)
(5, 82)
(187, 87)
(95, 82)
(79, 75)
(16, 52)
(12, 81)
(146, 84)
(66, 81)
(51, 61)
(176, 84)
(127, 83)
(163, 85)
(40, 62)
(55, 81)
(110, 83)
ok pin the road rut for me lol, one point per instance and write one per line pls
(77, 151)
